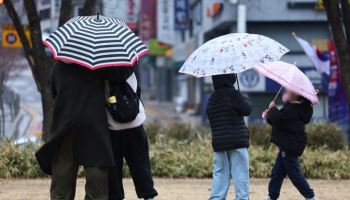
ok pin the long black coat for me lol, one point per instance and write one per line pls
(79, 110)
(288, 126)
(226, 110)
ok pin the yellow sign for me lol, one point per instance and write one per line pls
(10, 38)
(320, 4)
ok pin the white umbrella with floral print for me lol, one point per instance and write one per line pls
(232, 53)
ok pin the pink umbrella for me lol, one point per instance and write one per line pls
(290, 77)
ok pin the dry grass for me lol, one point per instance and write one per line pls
(175, 189)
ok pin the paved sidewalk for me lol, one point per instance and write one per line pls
(175, 189)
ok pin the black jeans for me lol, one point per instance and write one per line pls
(288, 165)
(131, 144)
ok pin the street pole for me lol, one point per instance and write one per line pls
(241, 18)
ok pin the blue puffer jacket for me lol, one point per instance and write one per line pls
(226, 110)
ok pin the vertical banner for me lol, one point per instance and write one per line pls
(165, 21)
(338, 109)
(182, 14)
(126, 10)
(132, 14)
(148, 20)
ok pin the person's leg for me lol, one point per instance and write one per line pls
(239, 166)
(136, 154)
(115, 184)
(278, 174)
(64, 172)
(297, 177)
(96, 186)
(221, 176)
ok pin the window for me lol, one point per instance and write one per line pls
(302, 3)
(45, 14)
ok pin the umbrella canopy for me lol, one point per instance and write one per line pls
(95, 42)
(232, 53)
(290, 77)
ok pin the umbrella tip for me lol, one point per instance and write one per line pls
(98, 16)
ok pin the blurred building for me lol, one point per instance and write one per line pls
(49, 11)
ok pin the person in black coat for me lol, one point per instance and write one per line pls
(230, 137)
(79, 132)
(288, 133)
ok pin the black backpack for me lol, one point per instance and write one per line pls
(125, 106)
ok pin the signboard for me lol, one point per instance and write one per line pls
(148, 19)
(131, 14)
(251, 81)
(126, 10)
(156, 48)
(10, 38)
(181, 14)
(165, 21)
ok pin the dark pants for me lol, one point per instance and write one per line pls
(64, 176)
(131, 144)
(288, 165)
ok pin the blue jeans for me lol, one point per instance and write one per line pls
(227, 164)
(288, 165)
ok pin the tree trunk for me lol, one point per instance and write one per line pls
(89, 7)
(334, 18)
(40, 63)
(65, 12)
(346, 18)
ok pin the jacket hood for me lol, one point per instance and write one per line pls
(304, 109)
(224, 81)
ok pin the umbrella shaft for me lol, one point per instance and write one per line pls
(279, 91)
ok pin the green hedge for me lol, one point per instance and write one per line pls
(181, 151)
(324, 135)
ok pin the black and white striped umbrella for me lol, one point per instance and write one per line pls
(96, 42)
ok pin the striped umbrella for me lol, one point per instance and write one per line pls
(96, 42)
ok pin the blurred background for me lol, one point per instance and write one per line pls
(172, 29)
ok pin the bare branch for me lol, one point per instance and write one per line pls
(20, 30)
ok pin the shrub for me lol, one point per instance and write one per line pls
(182, 151)
(153, 130)
(319, 135)
(18, 161)
(260, 134)
(179, 131)
(325, 135)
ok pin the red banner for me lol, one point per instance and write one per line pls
(148, 19)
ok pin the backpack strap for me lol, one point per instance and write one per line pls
(138, 91)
